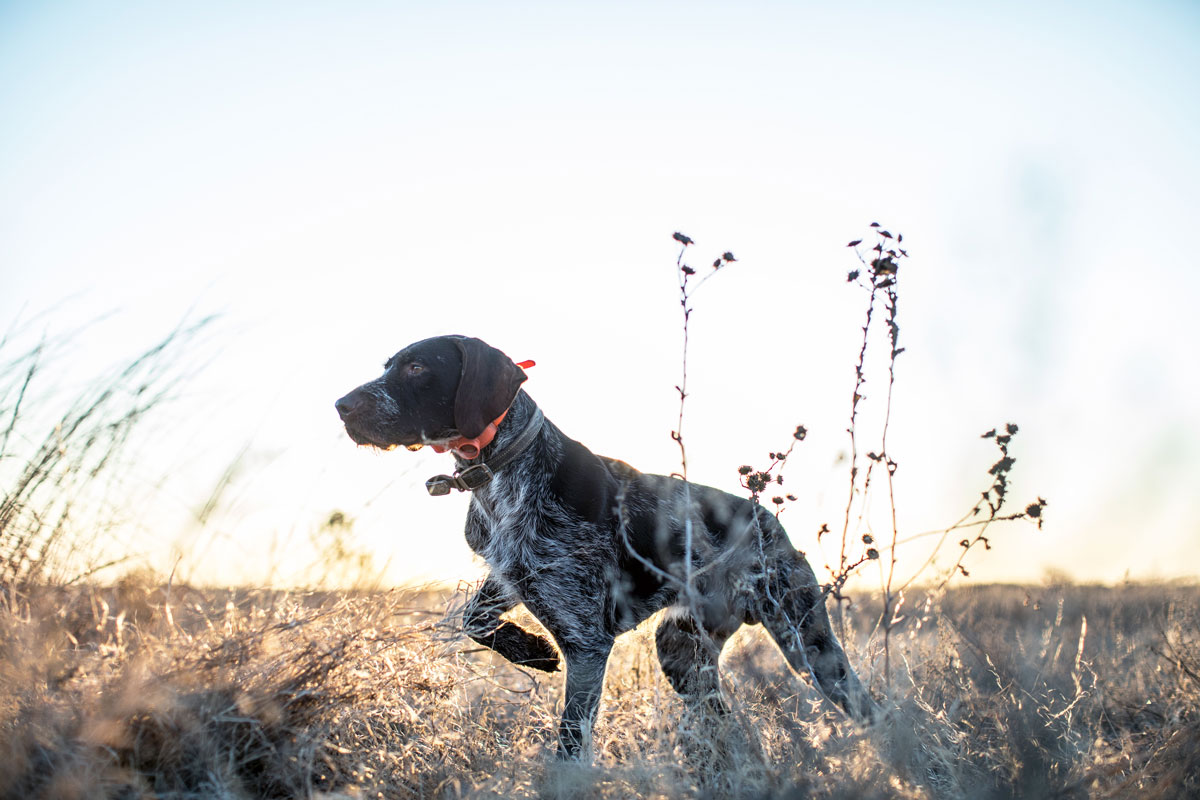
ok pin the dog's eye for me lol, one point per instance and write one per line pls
(414, 369)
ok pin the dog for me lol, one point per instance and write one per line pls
(592, 546)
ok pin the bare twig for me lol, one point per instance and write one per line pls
(686, 292)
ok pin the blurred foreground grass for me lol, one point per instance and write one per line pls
(144, 691)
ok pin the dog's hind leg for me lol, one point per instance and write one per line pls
(714, 740)
(688, 655)
(792, 609)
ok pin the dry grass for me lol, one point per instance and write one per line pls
(141, 690)
(64, 456)
(136, 692)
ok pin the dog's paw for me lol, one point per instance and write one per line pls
(522, 648)
(541, 655)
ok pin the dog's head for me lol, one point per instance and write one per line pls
(432, 392)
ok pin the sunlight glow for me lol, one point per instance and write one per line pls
(337, 182)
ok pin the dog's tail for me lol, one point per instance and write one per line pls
(792, 609)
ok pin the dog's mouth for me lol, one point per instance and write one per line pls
(365, 438)
(411, 442)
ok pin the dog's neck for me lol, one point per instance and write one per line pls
(512, 444)
(515, 421)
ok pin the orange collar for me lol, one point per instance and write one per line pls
(471, 448)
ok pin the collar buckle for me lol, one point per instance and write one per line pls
(473, 477)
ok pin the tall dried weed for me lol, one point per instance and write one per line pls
(146, 689)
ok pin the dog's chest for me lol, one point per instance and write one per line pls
(509, 525)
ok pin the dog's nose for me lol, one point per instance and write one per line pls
(347, 405)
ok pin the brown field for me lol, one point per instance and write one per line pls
(137, 691)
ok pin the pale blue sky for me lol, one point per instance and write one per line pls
(341, 179)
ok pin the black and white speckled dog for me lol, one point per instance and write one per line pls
(590, 545)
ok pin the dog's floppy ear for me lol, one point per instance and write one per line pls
(486, 388)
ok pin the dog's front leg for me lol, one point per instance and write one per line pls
(481, 621)
(585, 682)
